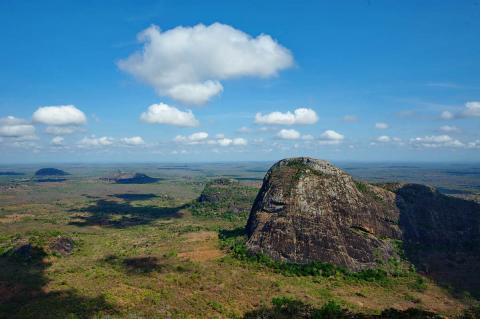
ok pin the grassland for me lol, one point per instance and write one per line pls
(140, 253)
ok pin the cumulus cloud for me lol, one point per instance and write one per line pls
(188, 63)
(381, 126)
(59, 115)
(96, 142)
(472, 109)
(164, 114)
(301, 116)
(331, 137)
(435, 141)
(57, 141)
(288, 134)
(194, 138)
(133, 141)
(12, 127)
(228, 141)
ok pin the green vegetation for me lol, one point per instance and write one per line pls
(224, 198)
(234, 242)
(140, 252)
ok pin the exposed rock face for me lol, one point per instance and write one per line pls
(50, 172)
(308, 210)
(441, 235)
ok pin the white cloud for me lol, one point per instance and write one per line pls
(350, 118)
(435, 141)
(96, 142)
(381, 126)
(288, 134)
(59, 115)
(60, 130)
(228, 141)
(133, 141)
(472, 109)
(199, 136)
(449, 129)
(331, 137)
(225, 141)
(301, 116)
(384, 139)
(57, 141)
(165, 114)
(446, 115)
(188, 63)
(239, 141)
(194, 138)
(13, 127)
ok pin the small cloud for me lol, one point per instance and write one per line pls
(194, 138)
(350, 118)
(239, 141)
(165, 114)
(288, 134)
(383, 139)
(472, 109)
(301, 116)
(95, 142)
(59, 115)
(133, 141)
(381, 126)
(57, 141)
(331, 137)
(446, 115)
(449, 129)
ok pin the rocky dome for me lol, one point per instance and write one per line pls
(130, 178)
(50, 172)
(309, 210)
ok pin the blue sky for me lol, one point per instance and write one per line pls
(370, 80)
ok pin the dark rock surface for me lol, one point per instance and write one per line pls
(50, 172)
(62, 245)
(308, 210)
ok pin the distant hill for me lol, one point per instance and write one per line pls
(50, 172)
(130, 178)
(11, 174)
